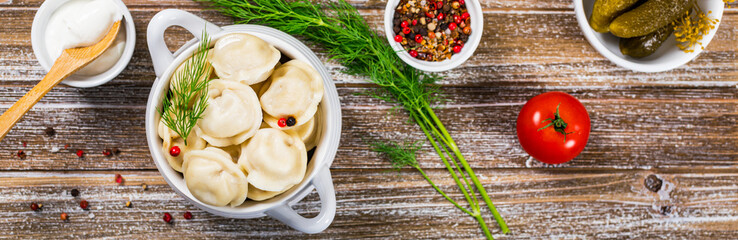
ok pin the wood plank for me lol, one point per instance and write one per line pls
(504, 57)
(632, 128)
(540, 204)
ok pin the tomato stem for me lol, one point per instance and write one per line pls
(558, 123)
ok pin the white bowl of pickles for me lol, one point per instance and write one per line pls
(650, 35)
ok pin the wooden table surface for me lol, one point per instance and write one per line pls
(679, 126)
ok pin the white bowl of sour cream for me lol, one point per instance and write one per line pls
(63, 24)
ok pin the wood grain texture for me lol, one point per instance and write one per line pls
(679, 125)
(381, 204)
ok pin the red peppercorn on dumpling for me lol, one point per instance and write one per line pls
(295, 91)
(171, 139)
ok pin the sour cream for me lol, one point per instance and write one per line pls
(82, 23)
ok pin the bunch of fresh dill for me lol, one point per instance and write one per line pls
(187, 98)
(340, 29)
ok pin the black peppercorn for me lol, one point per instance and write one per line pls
(653, 183)
(291, 121)
(423, 31)
(444, 26)
(75, 193)
(50, 131)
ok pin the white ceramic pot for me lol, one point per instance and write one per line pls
(477, 27)
(38, 42)
(667, 57)
(318, 174)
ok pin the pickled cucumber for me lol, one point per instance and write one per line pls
(639, 47)
(649, 17)
(604, 11)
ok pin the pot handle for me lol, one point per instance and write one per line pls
(324, 185)
(160, 54)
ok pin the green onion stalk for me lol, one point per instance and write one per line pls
(339, 28)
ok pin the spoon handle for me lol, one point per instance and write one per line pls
(56, 74)
(69, 62)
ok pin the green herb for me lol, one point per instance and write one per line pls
(340, 29)
(187, 98)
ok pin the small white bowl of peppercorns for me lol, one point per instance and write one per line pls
(433, 35)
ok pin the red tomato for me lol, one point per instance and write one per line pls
(550, 138)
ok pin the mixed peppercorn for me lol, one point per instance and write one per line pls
(432, 30)
(287, 122)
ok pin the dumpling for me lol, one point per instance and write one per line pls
(171, 138)
(233, 150)
(243, 58)
(295, 91)
(261, 195)
(213, 178)
(274, 160)
(308, 132)
(232, 116)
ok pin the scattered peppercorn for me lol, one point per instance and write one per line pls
(167, 217)
(25, 143)
(128, 204)
(653, 183)
(291, 121)
(21, 154)
(144, 186)
(66, 146)
(74, 192)
(50, 132)
(107, 152)
(83, 204)
(665, 210)
(283, 122)
(80, 153)
(188, 215)
(64, 216)
(118, 178)
(115, 151)
(34, 206)
(174, 151)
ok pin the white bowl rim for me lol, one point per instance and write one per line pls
(38, 32)
(475, 12)
(636, 64)
(321, 160)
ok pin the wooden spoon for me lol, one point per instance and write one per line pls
(69, 62)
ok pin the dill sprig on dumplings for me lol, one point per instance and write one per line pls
(187, 98)
(338, 28)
